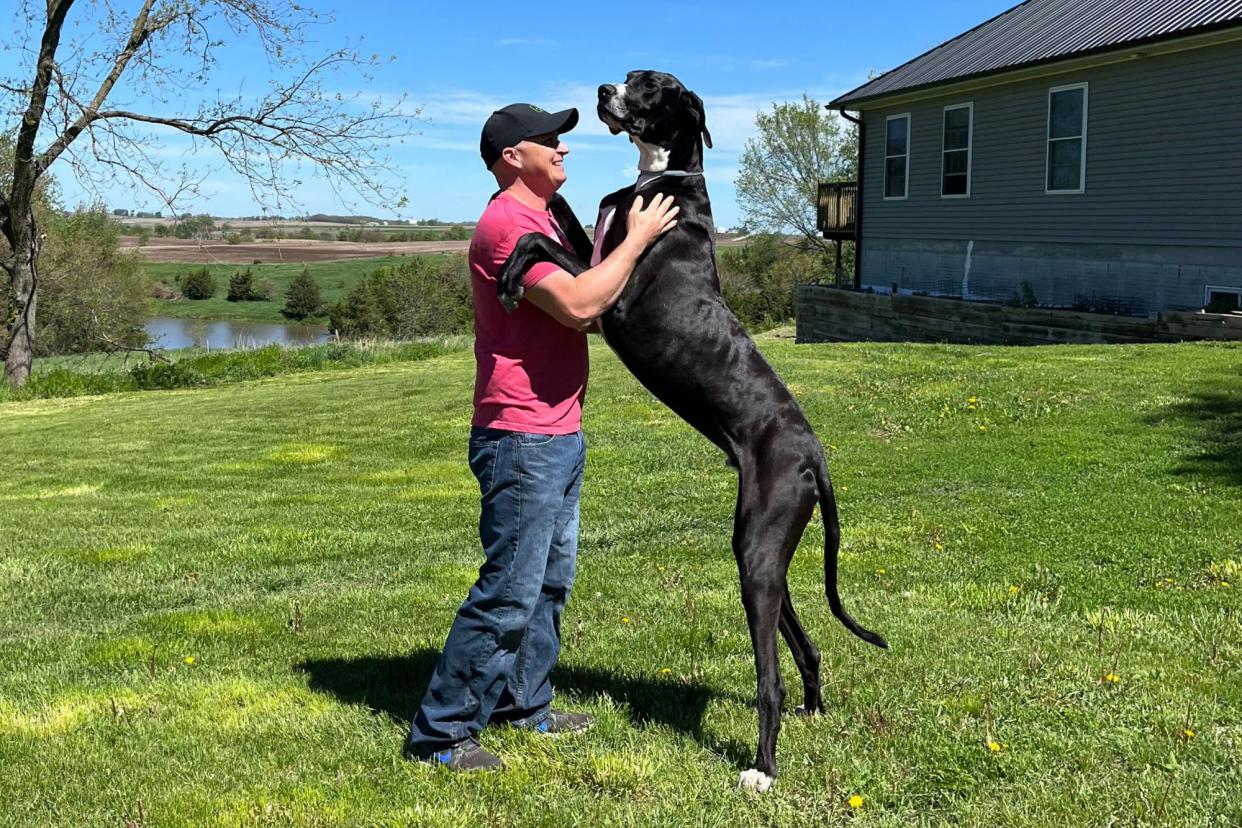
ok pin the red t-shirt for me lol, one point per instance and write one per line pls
(531, 371)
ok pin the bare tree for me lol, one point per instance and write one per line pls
(97, 103)
(799, 145)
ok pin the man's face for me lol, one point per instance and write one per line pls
(542, 162)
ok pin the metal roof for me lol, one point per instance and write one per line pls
(1044, 30)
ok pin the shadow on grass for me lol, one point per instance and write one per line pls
(394, 685)
(1212, 417)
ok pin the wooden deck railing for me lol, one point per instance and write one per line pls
(837, 214)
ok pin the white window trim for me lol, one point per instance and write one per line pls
(970, 148)
(1208, 290)
(909, 152)
(1082, 161)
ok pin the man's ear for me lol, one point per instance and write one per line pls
(699, 115)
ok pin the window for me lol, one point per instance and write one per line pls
(955, 154)
(1067, 139)
(1222, 298)
(897, 156)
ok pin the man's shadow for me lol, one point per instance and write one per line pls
(394, 685)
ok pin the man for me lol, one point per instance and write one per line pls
(526, 449)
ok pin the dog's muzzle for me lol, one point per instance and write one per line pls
(612, 110)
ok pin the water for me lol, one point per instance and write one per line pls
(170, 333)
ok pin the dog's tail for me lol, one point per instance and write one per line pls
(832, 544)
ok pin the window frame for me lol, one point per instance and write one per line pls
(1048, 139)
(970, 148)
(909, 146)
(1208, 290)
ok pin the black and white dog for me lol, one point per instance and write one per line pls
(673, 330)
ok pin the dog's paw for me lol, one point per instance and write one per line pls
(813, 712)
(510, 300)
(754, 780)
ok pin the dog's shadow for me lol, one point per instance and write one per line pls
(394, 685)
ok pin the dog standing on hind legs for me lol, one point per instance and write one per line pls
(672, 329)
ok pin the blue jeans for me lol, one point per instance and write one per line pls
(497, 662)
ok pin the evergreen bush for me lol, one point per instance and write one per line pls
(198, 284)
(241, 288)
(302, 300)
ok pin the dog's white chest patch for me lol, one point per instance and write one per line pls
(651, 157)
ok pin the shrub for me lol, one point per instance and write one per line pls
(358, 314)
(425, 296)
(198, 284)
(760, 279)
(91, 292)
(241, 288)
(160, 290)
(302, 299)
(150, 376)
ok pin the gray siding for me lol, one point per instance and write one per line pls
(1164, 160)
(1163, 186)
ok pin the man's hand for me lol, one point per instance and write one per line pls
(647, 225)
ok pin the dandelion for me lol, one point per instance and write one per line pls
(189, 660)
(995, 747)
(845, 488)
(972, 400)
(1014, 590)
(1224, 584)
(856, 801)
(938, 546)
(881, 571)
(983, 428)
(1188, 733)
(625, 619)
(1112, 678)
(664, 671)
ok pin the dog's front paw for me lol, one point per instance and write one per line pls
(510, 299)
(754, 780)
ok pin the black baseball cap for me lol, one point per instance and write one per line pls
(515, 123)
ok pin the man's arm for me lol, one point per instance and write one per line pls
(576, 302)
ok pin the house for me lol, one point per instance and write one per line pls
(1078, 153)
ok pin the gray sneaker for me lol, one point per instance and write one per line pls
(559, 722)
(466, 755)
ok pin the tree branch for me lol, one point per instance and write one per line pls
(138, 35)
(24, 169)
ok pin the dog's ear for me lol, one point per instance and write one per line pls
(699, 115)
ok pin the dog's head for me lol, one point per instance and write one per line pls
(654, 108)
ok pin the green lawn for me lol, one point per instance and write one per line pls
(334, 278)
(220, 606)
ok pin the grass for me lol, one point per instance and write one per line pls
(220, 606)
(96, 373)
(334, 278)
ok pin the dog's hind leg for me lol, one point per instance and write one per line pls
(805, 655)
(766, 530)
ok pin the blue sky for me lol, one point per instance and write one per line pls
(460, 61)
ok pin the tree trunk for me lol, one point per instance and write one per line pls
(19, 338)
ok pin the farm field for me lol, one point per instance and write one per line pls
(290, 251)
(220, 606)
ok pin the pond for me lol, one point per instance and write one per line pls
(170, 333)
